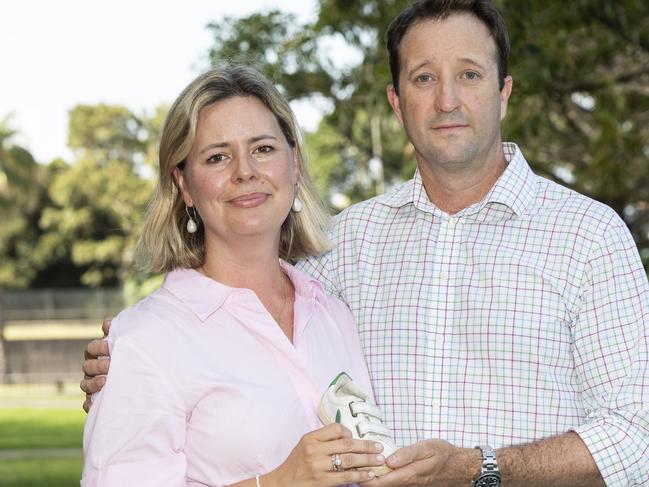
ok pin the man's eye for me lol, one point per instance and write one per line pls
(471, 75)
(423, 78)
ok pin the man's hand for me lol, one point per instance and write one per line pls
(560, 461)
(94, 368)
(430, 462)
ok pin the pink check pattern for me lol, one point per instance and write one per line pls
(523, 316)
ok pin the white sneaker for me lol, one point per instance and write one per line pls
(343, 402)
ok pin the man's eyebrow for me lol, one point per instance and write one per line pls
(469, 60)
(417, 67)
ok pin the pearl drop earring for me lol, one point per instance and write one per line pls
(192, 226)
(297, 204)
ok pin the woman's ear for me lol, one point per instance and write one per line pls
(179, 176)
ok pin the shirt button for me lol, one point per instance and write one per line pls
(443, 276)
(451, 221)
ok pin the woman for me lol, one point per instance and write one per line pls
(215, 378)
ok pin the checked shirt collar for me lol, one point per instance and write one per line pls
(515, 189)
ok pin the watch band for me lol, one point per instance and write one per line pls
(489, 473)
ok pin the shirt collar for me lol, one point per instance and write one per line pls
(399, 196)
(204, 296)
(516, 187)
(306, 287)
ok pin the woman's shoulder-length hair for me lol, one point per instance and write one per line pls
(165, 244)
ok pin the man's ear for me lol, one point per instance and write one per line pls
(393, 99)
(179, 176)
(504, 96)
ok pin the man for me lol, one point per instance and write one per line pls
(495, 307)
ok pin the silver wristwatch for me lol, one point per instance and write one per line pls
(489, 473)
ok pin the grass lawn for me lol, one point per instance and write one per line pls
(40, 471)
(41, 428)
(40, 447)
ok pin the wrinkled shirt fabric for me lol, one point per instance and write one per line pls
(522, 316)
(204, 388)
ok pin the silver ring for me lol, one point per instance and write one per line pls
(337, 462)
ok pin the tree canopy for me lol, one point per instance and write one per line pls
(22, 196)
(579, 111)
(580, 108)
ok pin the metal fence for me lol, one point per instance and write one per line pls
(59, 304)
(43, 332)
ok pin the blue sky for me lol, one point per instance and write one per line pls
(137, 53)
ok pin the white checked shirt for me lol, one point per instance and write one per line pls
(523, 316)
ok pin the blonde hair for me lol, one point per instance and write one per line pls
(165, 244)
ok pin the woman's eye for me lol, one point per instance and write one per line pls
(216, 158)
(265, 149)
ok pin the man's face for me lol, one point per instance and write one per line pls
(449, 100)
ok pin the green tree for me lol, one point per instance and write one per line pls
(98, 201)
(22, 195)
(580, 107)
(369, 146)
(22, 192)
(372, 142)
(277, 45)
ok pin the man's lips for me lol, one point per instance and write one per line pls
(450, 126)
(249, 200)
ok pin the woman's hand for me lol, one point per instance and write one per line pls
(310, 464)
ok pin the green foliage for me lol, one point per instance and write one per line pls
(76, 224)
(97, 203)
(278, 46)
(137, 287)
(325, 156)
(579, 110)
(360, 135)
(97, 207)
(370, 140)
(108, 132)
(22, 195)
(580, 107)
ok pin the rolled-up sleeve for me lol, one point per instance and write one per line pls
(135, 431)
(612, 359)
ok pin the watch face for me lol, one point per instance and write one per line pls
(488, 480)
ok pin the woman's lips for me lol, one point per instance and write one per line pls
(249, 200)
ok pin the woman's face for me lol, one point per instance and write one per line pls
(240, 172)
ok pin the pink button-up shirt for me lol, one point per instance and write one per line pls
(204, 388)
